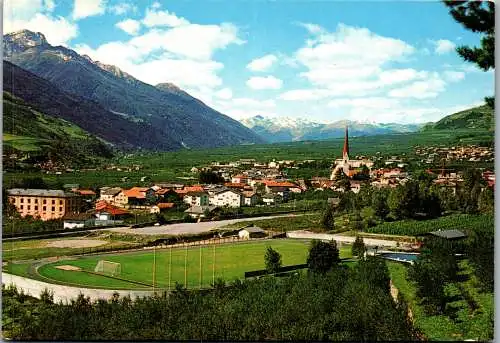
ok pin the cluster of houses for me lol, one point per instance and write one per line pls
(244, 191)
(471, 153)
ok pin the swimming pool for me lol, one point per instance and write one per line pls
(400, 256)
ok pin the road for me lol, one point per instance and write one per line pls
(190, 228)
(339, 238)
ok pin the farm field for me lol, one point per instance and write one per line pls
(415, 227)
(174, 166)
(231, 262)
(469, 324)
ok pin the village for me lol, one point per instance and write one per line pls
(240, 184)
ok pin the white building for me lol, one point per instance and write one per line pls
(226, 197)
(251, 232)
(196, 199)
(250, 198)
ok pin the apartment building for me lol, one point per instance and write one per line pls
(43, 203)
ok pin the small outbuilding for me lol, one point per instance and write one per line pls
(449, 234)
(251, 232)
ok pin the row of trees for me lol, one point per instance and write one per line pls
(351, 304)
(418, 198)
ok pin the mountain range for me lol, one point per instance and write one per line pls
(110, 103)
(109, 107)
(298, 129)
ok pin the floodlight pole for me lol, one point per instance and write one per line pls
(170, 269)
(200, 267)
(213, 270)
(154, 267)
(185, 267)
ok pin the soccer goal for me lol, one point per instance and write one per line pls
(107, 267)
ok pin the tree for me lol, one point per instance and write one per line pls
(368, 216)
(273, 260)
(322, 256)
(477, 16)
(486, 201)
(358, 247)
(328, 220)
(404, 200)
(342, 181)
(379, 203)
(210, 177)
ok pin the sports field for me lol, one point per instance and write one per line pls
(179, 265)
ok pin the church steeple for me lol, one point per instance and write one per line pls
(345, 152)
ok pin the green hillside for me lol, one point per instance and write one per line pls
(481, 117)
(42, 137)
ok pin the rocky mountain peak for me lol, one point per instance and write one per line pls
(22, 40)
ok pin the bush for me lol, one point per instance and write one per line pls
(322, 256)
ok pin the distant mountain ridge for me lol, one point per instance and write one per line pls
(285, 129)
(480, 117)
(170, 115)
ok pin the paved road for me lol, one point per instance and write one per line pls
(191, 228)
(339, 238)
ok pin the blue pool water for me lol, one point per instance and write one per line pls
(400, 256)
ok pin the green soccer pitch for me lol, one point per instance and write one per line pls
(231, 262)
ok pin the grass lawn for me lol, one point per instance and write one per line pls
(37, 249)
(231, 262)
(468, 324)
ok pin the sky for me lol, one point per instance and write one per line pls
(323, 61)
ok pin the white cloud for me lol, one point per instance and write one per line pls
(155, 5)
(162, 18)
(49, 5)
(454, 76)
(224, 93)
(122, 8)
(393, 76)
(239, 108)
(182, 55)
(262, 63)
(18, 10)
(130, 26)
(311, 28)
(268, 82)
(249, 102)
(57, 30)
(366, 103)
(304, 94)
(443, 46)
(191, 41)
(35, 15)
(429, 88)
(338, 62)
(87, 8)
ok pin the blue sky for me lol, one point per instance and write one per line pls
(318, 60)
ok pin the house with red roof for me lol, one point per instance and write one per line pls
(106, 211)
(135, 196)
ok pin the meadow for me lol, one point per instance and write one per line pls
(231, 262)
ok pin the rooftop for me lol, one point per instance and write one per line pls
(40, 192)
(449, 234)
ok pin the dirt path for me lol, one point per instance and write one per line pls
(75, 243)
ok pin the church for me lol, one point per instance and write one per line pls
(348, 166)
